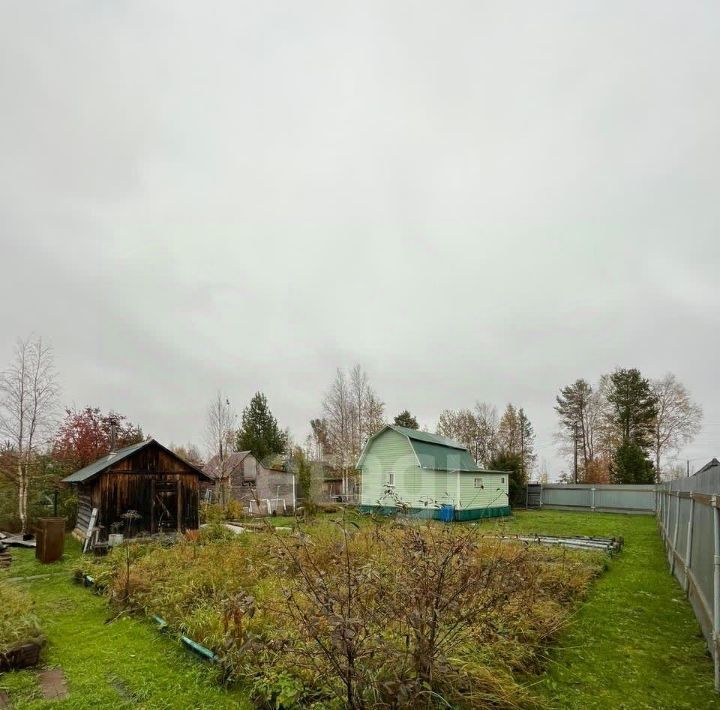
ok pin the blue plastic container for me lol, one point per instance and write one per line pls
(447, 513)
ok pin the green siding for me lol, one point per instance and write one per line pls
(389, 452)
(492, 494)
(421, 488)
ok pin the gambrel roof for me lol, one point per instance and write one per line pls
(433, 452)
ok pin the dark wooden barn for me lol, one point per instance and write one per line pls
(147, 478)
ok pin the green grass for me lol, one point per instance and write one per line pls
(119, 663)
(24, 563)
(635, 642)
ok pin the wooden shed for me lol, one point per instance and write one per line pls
(147, 478)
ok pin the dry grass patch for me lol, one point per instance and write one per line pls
(337, 615)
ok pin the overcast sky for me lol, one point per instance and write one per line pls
(475, 201)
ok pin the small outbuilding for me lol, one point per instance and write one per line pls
(429, 475)
(260, 488)
(148, 478)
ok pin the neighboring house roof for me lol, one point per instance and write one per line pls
(432, 451)
(97, 467)
(213, 467)
(708, 466)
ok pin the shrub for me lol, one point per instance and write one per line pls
(213, 512)
(338, 614)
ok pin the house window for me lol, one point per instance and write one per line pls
(502, 480)
(391, 478)
(478, 483)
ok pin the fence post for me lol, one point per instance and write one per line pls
(658, 503)
(673, 548)
(716, 592)
(688, 549)
(592, 499)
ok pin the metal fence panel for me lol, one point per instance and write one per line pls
(688, 514)
(600, 497)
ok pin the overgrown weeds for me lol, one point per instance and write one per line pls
(18, 623)
(393, 615)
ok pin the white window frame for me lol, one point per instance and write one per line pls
(475, 483)
(391, 479)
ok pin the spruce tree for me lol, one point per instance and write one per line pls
(634, 407)
(630, 465)
(517, 478)
(259, 432)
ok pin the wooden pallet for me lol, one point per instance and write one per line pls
(23, 656)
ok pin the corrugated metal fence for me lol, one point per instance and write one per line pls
(689, 517)
(599, 497)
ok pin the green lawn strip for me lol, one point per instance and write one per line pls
(635, 642)
(24, 563)
(124, 663)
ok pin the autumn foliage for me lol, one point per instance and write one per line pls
(85, 436)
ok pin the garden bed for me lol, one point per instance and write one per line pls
(359, 615)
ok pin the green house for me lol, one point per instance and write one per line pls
(428, 475)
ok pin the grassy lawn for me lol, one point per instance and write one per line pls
(633, 644)
(121, 664)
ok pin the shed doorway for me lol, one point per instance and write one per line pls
(165, 506)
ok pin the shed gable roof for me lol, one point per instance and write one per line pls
(97, 467)
(433, 452)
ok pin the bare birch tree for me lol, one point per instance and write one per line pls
(359, 393)
(352, 412)
(220, 435)
(486, 417)
(476, 429)
(28, 404)
(336, 410)
(678, 419)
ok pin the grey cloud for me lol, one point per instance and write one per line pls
(475, 200)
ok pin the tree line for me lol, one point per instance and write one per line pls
(626, 427)
(352, 412)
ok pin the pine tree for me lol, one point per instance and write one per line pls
(407, 420)
(578, 409)
(259, 432)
